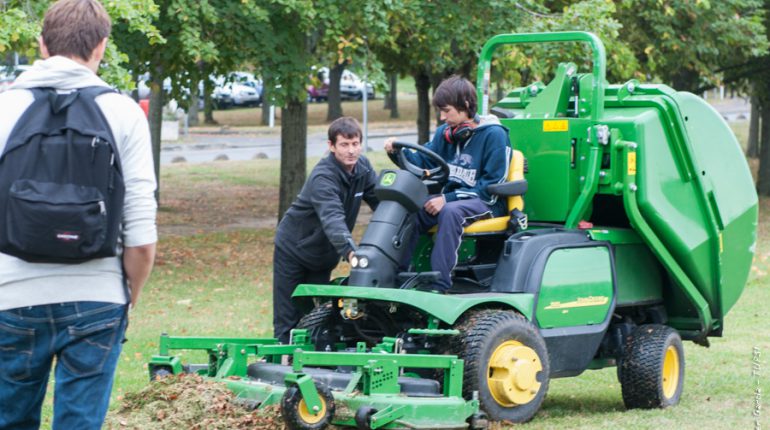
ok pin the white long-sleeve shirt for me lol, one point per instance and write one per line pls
(30, 284)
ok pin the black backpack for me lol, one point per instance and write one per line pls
(61, 182)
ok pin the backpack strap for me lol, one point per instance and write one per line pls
(90, 94)
(40, 93)
(94, 92)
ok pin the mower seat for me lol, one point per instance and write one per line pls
(513, 189)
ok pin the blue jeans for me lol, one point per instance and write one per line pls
(451, 219)
(85, 338)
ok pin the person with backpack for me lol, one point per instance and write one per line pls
(77, 224)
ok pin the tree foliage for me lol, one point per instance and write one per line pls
(432, 41)
(688, 44)
(523, 64)
(20, 25)
(194, 39)
(345, 32)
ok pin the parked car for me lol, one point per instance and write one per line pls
(237, 89)
(6, 81)
(351, 86)
(318, 90)
(8, 75)
(143, 90)
(233, 89)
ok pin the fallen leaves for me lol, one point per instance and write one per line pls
(189, 402)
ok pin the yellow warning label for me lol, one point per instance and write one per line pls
(632, 163)
(556, 125)
(581, 302)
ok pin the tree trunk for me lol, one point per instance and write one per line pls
(386, 99)
(293, 152)
(265, 115)
(392, 97)
(266, 103)
(763, 182)
(155, 117)
(208, 103)
(192, 111)
(334, 109)
(422, 84)
(435, 81)
(686, 80)
(752, 149)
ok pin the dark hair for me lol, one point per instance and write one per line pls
(457, 92)
(346, 127)
(73, 28)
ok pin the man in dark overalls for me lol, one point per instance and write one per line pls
(315, 232)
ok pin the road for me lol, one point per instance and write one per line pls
(203, 147)
(207, 147)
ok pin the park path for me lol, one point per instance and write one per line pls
(203, 145)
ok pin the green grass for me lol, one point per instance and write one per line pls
(741, 130)
(210, 284)
(259, 173)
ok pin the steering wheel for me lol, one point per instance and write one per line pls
(438, 174)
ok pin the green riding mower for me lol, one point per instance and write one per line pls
(631, 229)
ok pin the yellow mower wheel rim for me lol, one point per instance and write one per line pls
(512, 374)
(308, 416)
(670, 372)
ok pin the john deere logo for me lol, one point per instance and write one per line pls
(388, 179)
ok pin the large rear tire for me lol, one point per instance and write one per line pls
(506, 362)
(652, 370)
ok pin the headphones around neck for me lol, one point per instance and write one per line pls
(462, 132)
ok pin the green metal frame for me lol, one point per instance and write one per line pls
(444, 307)
(599, 71)
(374, 381)
(666, 106)
(599, 66)
(705, 321)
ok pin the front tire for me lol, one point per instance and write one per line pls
(297, 415)
(652, 369)
(323, 325)
(506, 362)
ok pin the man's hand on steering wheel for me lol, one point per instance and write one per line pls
(396, 154)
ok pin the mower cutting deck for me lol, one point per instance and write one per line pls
(363, 388)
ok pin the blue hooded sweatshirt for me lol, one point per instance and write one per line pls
(481, 161)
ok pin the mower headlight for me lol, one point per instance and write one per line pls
(363, 262)
(354, 261)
